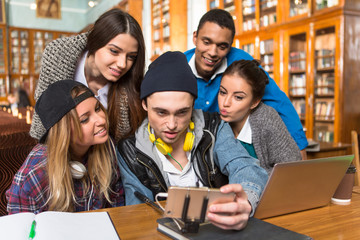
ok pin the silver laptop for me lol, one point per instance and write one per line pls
(296, 186)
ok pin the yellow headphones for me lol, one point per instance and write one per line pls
(167, 149)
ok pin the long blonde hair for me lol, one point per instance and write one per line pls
(100, 162)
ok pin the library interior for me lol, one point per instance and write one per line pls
(310, 48)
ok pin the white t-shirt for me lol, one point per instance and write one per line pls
(184, 178)
(102, 94)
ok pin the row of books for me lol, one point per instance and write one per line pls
(297, 55)
(267, 3)
(166, 33)
(248, 6)
(325, 79)
(324, 110)
(249, 24)
(324, 52)
(230, 8)
(15, 34)
(249, 48)
(324, 135)
(267, 59)
(326, 62)
(324, 83)
(299, 105)
(298, 9)
(298, 80)
(326, 3)
(267, 20)
(266, 46)
(298, 66)
(2, 87)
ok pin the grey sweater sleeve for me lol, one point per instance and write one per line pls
(58, 62)
(272, 141)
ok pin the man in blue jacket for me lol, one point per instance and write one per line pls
(213, 54)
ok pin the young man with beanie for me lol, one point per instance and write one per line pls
(213, 54)
(179, 146)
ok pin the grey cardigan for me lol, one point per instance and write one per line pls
(271, 139)
(58, 62)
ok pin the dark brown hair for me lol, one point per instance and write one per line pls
(252, 73)
(220, 17)
(106, 27)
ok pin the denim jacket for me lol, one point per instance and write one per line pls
(228, 154)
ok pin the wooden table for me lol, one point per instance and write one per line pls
(329, 149)
(329, 222)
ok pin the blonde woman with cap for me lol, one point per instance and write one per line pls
(74, 166)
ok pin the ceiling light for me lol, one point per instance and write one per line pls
(92, 3)
(32, 6)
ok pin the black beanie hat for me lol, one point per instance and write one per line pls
(56, 101)
(169, 72)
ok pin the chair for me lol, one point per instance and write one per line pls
(355, 151)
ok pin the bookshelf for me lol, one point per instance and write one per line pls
(249, 48)
(297, 73)
(268, 12)
(267, 56)
(40, 40)
(324, 84)
(26, 47)
(323, 4)
(3, 65)
(169, 26)
(315, 59)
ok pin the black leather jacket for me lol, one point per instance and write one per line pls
(149, 173)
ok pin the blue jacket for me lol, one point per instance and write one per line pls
(229, 155)
(274, 97)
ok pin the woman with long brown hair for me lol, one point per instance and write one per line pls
(110, 60)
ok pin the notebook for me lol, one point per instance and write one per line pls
(58, 226)
(255, 229)
(301, 185)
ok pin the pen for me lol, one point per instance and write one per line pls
(32, 230)
(148, 201)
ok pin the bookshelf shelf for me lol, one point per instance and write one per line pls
(297, 71)
(169, 26)
(297, 95)
(324, 95)
(297, 60)
(326, 69)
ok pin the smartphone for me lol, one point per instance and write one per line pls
(177, 195)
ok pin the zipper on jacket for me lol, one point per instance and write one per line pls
(157, 178)
(210, 177)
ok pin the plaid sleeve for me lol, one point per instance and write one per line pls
(27, 191)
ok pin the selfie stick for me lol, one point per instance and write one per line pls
(192, 225)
